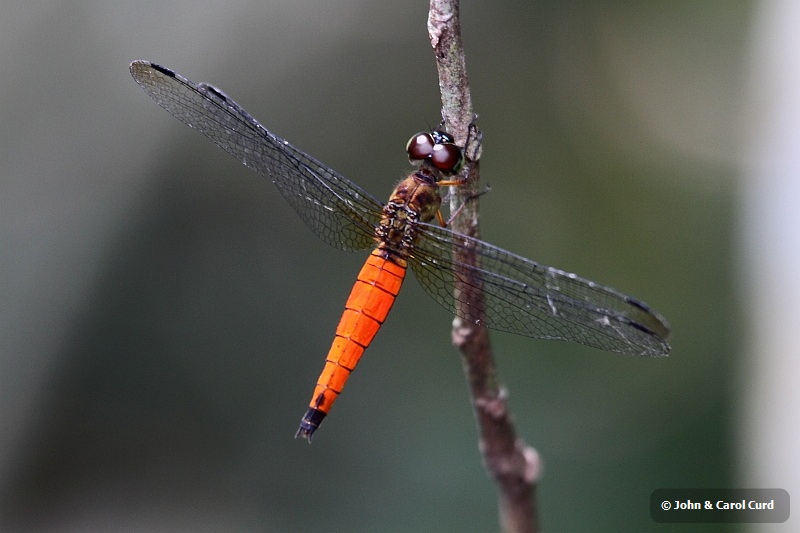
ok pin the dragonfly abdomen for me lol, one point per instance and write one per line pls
(367, 307)
(415, 198)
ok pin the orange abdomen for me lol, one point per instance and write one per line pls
(367, 307)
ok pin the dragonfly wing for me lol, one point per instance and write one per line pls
(526, 298)
(336, 209)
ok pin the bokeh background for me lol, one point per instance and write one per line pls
(165, 314)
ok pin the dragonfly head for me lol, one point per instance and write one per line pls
(437, 148)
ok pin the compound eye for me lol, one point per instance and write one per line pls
(447, 157)
(420, 146)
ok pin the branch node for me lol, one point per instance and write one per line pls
(533, 463)
(494, 407)
(462, 332)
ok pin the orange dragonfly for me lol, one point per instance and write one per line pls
(521, 296)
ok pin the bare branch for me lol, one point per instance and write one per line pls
(513, 464)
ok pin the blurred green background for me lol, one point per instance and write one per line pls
(166, 314)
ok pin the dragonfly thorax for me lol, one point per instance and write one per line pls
(415, 199)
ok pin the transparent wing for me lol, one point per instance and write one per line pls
(521, 296)
(526, 298)
(340, 212)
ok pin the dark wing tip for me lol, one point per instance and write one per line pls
(140, 65)
(658, 324)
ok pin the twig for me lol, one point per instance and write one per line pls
(513, 464)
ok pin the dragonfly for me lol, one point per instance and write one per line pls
(521, 296)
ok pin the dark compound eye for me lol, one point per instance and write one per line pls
(420, 146)
(447, 157)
